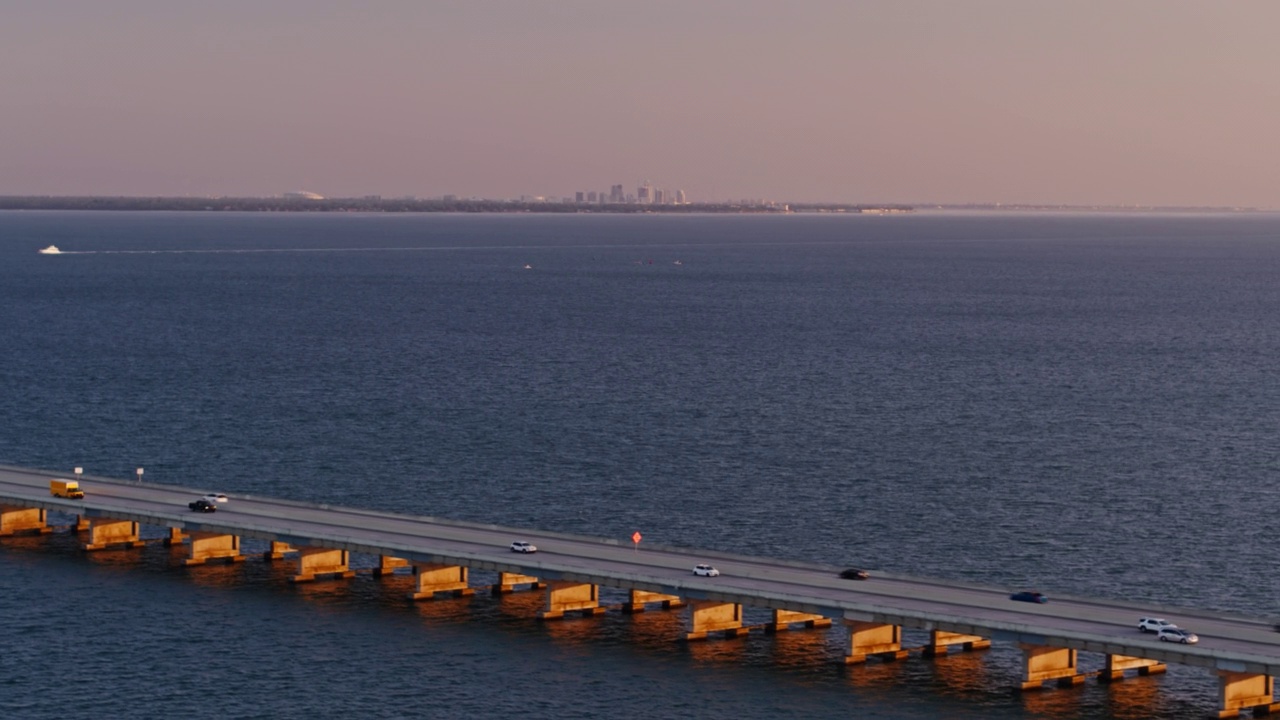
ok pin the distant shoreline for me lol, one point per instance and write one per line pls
(410, 205)
(413, 205)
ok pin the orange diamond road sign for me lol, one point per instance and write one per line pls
(635, 537)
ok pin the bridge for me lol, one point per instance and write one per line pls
(1243, 652)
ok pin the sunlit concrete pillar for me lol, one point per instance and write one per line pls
(1049, 663)
(15, 520)
(387, 565)
(575, 597)
(507, 582)
(640, 598)
(81, 524)
(1117, 664)
(871, 639)
(784, 619)
(315, 561)
(213, 546)
(941, 642)
(1240, 691)
(176, 537)
(277, 551)
(708, 616)
(432, 579)
(104, 532)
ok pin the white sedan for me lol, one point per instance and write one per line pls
(705, 570)
(521, 546)
(214, 497)
(1178, 635)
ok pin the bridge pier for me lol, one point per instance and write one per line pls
(1117, 664)
(212, 546)
(387, 565)
(507, 582)
(708, 616)
(1043, 663)
(432, 579)
(104, 532)
(639, 598)
(82, 523)
(784, 619)
(941, 642)
(870, 639)
(314, 561)
(277, 551)
(176, 537)
(14, 520)
(565, 597)
(1240, 691)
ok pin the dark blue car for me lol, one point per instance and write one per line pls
(1025, 596)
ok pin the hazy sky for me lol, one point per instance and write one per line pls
(1163, 102)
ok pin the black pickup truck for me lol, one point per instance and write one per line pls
(203, 505)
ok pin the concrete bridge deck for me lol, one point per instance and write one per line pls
(1228, 644)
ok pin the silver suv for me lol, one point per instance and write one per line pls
(1155, 625)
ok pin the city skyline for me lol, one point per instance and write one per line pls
(1145, 103)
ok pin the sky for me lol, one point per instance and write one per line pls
(1115, 102)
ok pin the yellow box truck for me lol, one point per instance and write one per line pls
(65, 489)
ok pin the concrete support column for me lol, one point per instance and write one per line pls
(869, 639)
(565, 597)
(387, 565)
(81, 524)
(1049, 663)
(314, 561)
(1117, 664)
(639, 598)
(176, 537)
(1240, 691)
(15, 520)
(941, 642)
(434, 579)
(784, 619)
(277, 551)
(211, 546)
(507, 582)
(104, 532)
(708, 616)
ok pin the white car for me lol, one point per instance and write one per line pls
(1155, 625)
(1178, 635)
(214, 497)
(521, 546)
(705, 570)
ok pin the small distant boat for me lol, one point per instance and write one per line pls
(679, 263)
(51, 250)
(527, 266)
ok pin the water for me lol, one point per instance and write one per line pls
(1075, 403)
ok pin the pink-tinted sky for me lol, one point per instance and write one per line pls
(1154, 102)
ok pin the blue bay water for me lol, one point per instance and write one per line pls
(1082, 404)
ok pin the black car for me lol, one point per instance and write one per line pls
(1032, 597)
(203, 505)
(854, 574)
